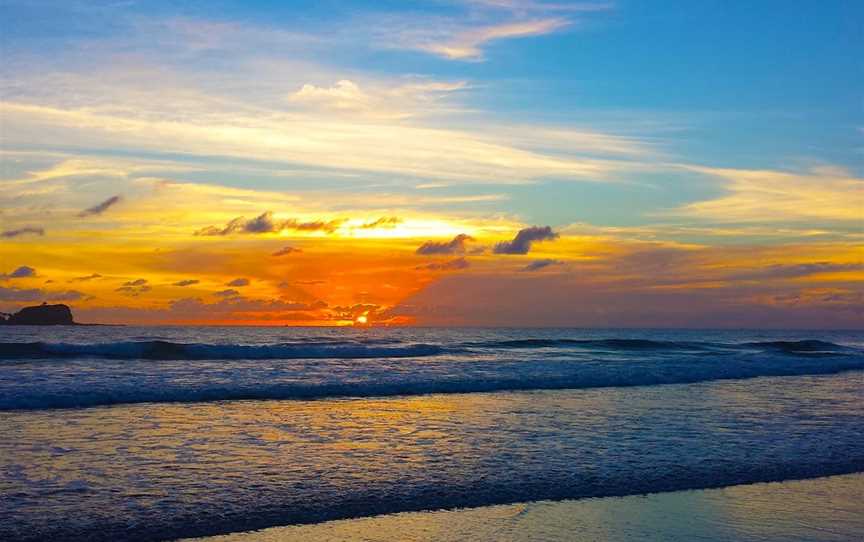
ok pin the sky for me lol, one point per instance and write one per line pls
(444, 162)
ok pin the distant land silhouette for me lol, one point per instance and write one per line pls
(40, 315)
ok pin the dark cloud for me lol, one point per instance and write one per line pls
(537, 265)
(521, 244)
(32, 230)
(134, 288)
(188, 282)
(101, 207)
(351, 312)
(454, 246)
(35, 294)
(383, 222)
(238, 282)
(86, 278)
(284, 251)
(22, 272)
(265, 223)
(452, 265)
(227, 293)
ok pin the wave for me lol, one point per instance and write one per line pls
(807, 346)
(615, 344)
(792, 347)
(166, 350)
(366, 382)
(319, 348)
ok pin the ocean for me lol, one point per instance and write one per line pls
(132, 433)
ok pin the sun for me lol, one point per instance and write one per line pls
(361, 320)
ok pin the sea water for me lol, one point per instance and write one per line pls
(157, 433)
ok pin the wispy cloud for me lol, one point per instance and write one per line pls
(27, 230)
(825, 193)
(265, 223)
(537, 265)
(466, 37)
(452, 265)
(454, 246)
(311, 140)
(383, 222)
(468, 44)
(100, 208)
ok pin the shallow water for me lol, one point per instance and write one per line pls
(160, 452)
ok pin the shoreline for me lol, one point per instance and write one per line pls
(829, 508)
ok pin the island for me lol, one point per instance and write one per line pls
(40, 315)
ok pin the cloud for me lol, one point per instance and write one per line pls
(555, 299)
(68, 295)
(92, 276)
(187, 282)
(284, 251)
(31, 230)
(195, 310)
(265, 223)
(383, 222)
(227, 293)
(452, 265)
(233, 302)
(238, 282)
(790, 271)
(133, 291)
(825, 193)
(382, 101)
(35, 294)
(101, 207)
(441, 152)
(468, 44)
(286, 284)
(521, 244)
(134, 288)
(455, 246)
(20, 273)
(537, 265)
(344, 95)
